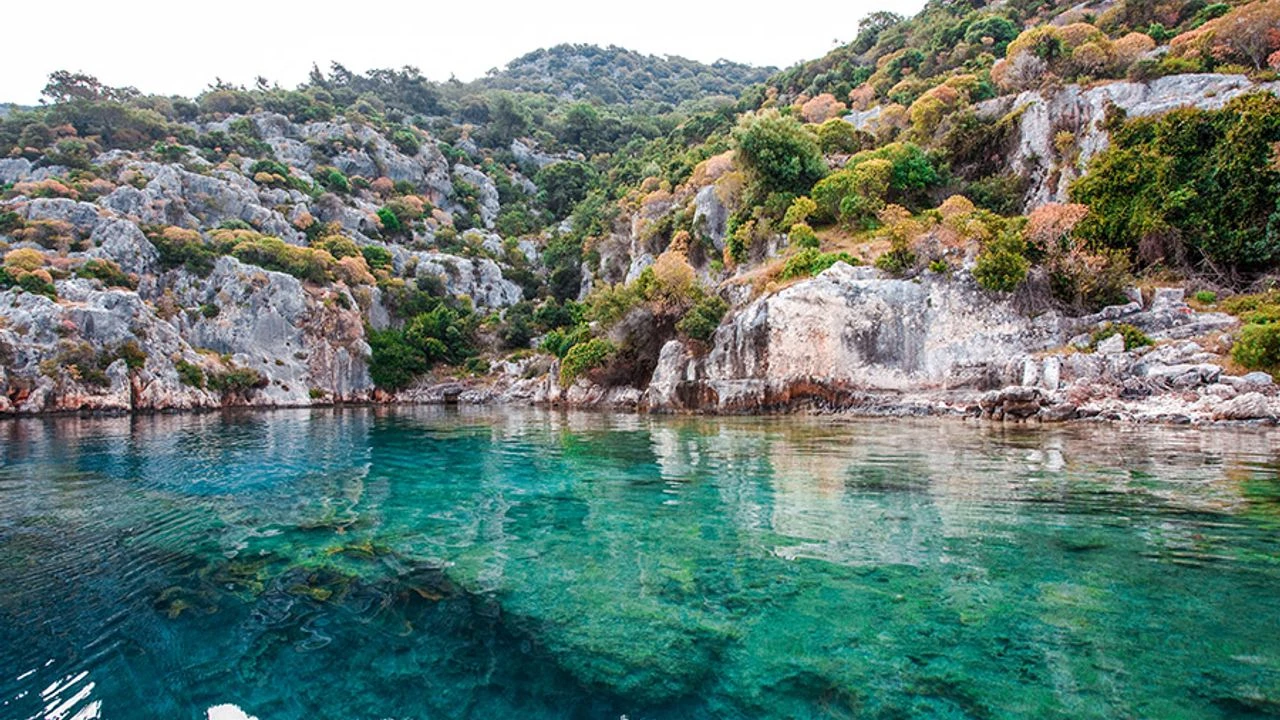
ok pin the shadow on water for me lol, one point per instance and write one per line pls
(420, 562)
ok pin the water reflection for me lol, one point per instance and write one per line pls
(445, 563)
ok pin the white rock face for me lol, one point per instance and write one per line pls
(46, 346)
(269, 322)
(111, 349)
(710, 216)
(850, 338)
(122, 242)
(1082, 111)
(478, 278)
(13, 170)
(850, 330)
(488, 193)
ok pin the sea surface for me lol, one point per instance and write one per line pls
(444, 563)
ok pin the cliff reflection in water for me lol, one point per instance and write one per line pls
(426, 562)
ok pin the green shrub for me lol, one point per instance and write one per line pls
(854, 194)
(36, 283)
(563, 185)
(1200, 181)
(900, 173)
(394, 363)
(406, 141)
(190, 373)
(811, 262)
(1001, 265)
(270, 172)
(1206, 297)
(107, 272)
(9, 221)
(802, 236)
(443, 334)
(898, 260)
(339, 246)
(1258, 347)
(1133, 337)
(517, 326)
(390, 223)
(1262, 315)
(558, 342)
(701, 321)
(270, 167)
(180, 247)
(1240, 304)
(737, 244)
(210, 310)
(515, 220)
(332, 179)
(1000, 29)
(236, 381)
(376, 256)
(272, 253)
(799, 211)
(778, 154)
(551, 314)
(134, 356)
(838, 136)
(583, 357)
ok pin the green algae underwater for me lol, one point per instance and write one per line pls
(444, 563)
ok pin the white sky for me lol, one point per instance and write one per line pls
(170, 47)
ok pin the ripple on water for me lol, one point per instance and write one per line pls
(428, 563)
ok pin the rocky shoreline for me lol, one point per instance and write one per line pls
(852, 341)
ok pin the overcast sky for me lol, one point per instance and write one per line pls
(181, 47)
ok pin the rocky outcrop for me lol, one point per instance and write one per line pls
(123, 243)
(70, 355)
(308, 343)
(849, 339)
(848, 332)
(478, 278)
(176, 196)
(487, 192)
(239, 334)
(1082, 111)
(97, 349)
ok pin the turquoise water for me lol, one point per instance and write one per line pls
(428, 563)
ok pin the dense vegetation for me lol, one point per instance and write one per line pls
(601, 157)
(616, 76)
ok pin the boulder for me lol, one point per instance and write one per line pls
(123, 243)
(1249, 406)
(1112, 345)
(13, 170)
(710, 216)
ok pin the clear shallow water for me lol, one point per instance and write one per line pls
(434, 564)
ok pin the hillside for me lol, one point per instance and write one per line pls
(614, 75)
(595, 226)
